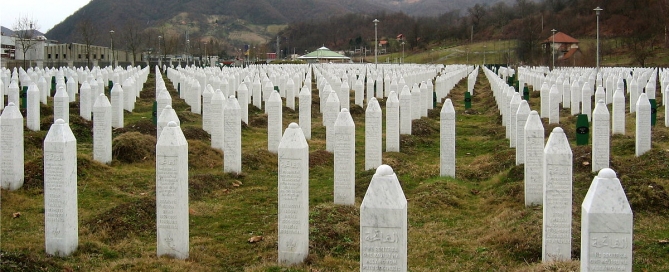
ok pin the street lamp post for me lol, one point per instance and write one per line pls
(553, 47)
(402, 61)
(205, 53)
(159, 58)
(597, 11)
(187, 52)
(376, 44)
(111, 35)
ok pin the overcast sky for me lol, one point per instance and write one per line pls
(47, 13)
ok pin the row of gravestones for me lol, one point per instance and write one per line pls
(607, 224)
(11, 142)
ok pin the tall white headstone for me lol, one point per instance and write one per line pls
(293, 196)
(514, 103)
(232, 156)
(373, 134)
(172, 193)
(206, 108)
(586, 100)
(305, 112)
(290, 94)
(243, 100)
(102, 130)
(117, 105)
(392, 123)
(218, 103)
(557, 169)
(85, 106)
(554, 106)
(274, 121)
(522, 114)
(601, 131)
(447, 139)
(606, 225)
(618, 108)
(383, 224)
(359, 89)
(61, 226)
(61, 105)
(643, 128)
(332, 108)
(167, 115)
(405, 111)
(545, 99)
(33, 110)
(416, 104)
(575, 97)
(11, 147)
(534, 157)
(344, 159)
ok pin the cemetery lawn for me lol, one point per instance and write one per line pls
(475, 222)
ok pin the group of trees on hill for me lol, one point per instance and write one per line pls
(640, 25)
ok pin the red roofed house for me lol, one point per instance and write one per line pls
(566, 49)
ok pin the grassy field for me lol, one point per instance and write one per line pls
(475, 222)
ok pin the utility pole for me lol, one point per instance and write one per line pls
(277, 46)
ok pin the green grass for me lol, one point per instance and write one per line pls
(475, 222)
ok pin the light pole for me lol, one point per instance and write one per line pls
(187, 52)
(597, 11)
(205, 53)
(376, 44)
(111, 35)
(159, 58)
(402, 61)
(553, 47)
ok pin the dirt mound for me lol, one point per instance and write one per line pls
(424, 127)
(19, 261)
(134, 217)
(195, 133)
(259, 158)
(259, 121)
(134, 147)
(204, 184)
(335, 229)
(144, 126)
(320, 157)
(202, 156)
(356, 110)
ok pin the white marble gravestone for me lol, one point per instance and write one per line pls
(33, 108)
(117, 105)
(172, 193)
(557, 172)
(601, 132)
(514, 103)
(195, 93)
(344, 159)
(392, 123)
(11, 147)
(575, 97)
(61, 226)
(102, 130)
(416, 105)
(61, 105)
(232, 155)
(166, 115)
(447, 139)
(332, 108)
(522, 114)
(305, 112)
(85, 106)
(293, 196)
(290, 93)
(218, 103)
(373, 135)
(643, 128)
(243, 101)
(545, 99)
(206, 108)
(359, 89)
(383, 224)
(257, 94)
(606, 225)
(554, 106)
(274, 121)
(405, 111)
(586, 100)
(618, 108)
(534, 157)
(13, 93)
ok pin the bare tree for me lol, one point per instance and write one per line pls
(25, 30)
(133, 38)
(88, 35)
